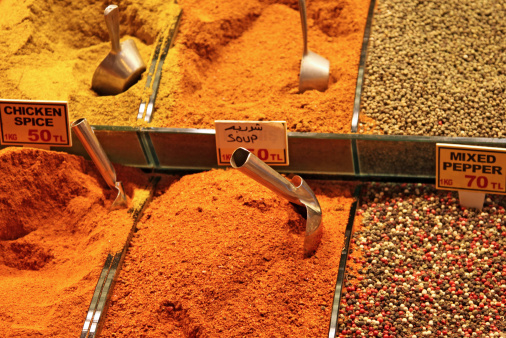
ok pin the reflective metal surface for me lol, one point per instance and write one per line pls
(314, 68)
(296, 191)
(163, 44)
(88, 139)
(123, 66)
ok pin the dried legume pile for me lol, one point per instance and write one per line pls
(219, 255)
(437, 68)
(425, 267)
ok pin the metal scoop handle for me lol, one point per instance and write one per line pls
(314, 68)
(90, 143)
(111, 14)
(303, 20)
(255, 168)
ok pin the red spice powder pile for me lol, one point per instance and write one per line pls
(55, 233)
(219, 255)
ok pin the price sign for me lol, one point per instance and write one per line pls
(267, 140)
(471, 168)
(34, 123)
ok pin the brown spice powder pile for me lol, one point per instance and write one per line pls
(55, 233)
(50, 50)
(218, 255)
(231, 60)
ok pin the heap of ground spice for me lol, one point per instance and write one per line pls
(231, 60)
(240, 60)
(218, 255)
(56, 230)
(46, 57)
(426, 267)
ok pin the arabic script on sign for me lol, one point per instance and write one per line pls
(267, 140)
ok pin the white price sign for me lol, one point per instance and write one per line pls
(266, 139)
(34, 123)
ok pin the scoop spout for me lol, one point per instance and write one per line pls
(296, 191)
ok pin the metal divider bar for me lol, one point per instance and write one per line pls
(342, 264)
(167, 44)
(95, 317)
(103, 302)
(96, 297)
(148, 149)
(151, 71)
(355, 157)
(361, 68)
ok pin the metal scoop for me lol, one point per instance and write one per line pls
(123, 66)
(296, 191)
(87, 137)
(314, 68)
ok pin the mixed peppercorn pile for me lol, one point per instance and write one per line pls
(423, 266)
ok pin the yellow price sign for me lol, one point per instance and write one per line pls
(471, 168)
(26, 122)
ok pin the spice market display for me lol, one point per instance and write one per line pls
(423, 266)
(218, 254)
(56, 229)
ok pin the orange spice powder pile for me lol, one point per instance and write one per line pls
(240, 60)
(218, 255)
(56, 230)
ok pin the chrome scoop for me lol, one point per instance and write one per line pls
(85, 134)
(296, 191)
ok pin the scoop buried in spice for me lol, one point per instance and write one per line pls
(90, 142)
(296, 191)
(123, 66)
(314, 68)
